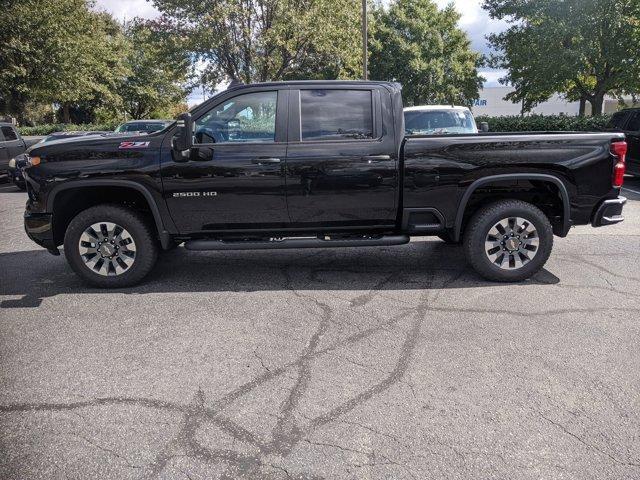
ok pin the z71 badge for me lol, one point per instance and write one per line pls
(134, 144)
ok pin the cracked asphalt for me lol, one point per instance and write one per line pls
(379, 363)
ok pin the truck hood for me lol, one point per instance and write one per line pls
(73, 143)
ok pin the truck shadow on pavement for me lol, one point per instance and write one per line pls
(35, 275)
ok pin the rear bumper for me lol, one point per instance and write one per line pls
(39, 228)
(609, 212)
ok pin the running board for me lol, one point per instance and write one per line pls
(276, 243)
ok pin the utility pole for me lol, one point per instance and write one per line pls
(365, 68)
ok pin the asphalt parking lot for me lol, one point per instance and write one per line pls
(381, 363)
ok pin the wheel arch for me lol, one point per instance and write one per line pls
(93, 187)
(540, 177)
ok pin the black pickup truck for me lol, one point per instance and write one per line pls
(309, 165)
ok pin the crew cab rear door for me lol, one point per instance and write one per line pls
(341, 157)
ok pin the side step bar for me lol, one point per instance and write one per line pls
(275, 244)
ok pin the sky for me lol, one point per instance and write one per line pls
(474, 21)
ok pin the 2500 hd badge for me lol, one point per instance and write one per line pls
(194, 194)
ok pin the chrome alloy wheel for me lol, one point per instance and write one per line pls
(107, 249)
(512, 243)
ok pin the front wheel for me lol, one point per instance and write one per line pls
(110, 246)
(508, 241)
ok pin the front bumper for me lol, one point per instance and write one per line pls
(609, 212)
(39, 228)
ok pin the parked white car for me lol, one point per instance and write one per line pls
(440, 120)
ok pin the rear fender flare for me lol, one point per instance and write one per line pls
(542, 177)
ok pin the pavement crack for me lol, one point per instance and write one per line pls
(587, 444)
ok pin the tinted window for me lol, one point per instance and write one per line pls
(246, 118)
(634, 123)
(9, 134)
(618, 120)
(336, 114)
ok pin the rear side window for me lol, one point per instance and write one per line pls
(9, 134)
(617, 120)
(336, 115)
(634, 123)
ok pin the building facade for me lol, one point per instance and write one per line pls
(493, 104)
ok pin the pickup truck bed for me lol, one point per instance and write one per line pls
(315, 164)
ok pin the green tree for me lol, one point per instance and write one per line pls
(261, 40)
(420, 46)
(159, 70)
(59, 51)
(585, 49)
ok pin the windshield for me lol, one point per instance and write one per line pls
(439, 122)
(147, 127)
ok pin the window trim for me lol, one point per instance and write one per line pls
(279, 136)
(295, 115)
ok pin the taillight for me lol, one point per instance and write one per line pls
(619, 150)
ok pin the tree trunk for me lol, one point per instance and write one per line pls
(583, 106)
(597, 104)
(66, 117)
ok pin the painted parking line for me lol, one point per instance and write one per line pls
(632, 191)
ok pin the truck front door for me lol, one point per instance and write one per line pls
(235, 178)
(341, 158)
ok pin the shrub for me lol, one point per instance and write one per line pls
(542, 123)
(61, 127)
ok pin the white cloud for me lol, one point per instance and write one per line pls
(128, 9)
(476, 22)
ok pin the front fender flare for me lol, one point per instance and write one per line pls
(163, 234)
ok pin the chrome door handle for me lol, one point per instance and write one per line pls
(265, 161)
(376, 158)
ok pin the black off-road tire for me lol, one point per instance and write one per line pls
(137, 227)
(485, 219)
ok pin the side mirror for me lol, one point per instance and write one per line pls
(484, 127)
(183, 140)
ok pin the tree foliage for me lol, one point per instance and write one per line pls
(420, 46)
(66, 53)
(261, 40)
(58, 51)
(585, 49)
(158, 74)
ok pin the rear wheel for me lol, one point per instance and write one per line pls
(508, 241)
(109, 246)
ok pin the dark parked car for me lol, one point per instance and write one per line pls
(11, 145)
(143, 126)
(628, 122)
(18, 162)
(312, 165)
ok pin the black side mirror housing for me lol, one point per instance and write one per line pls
(484, 127)
(183, 140)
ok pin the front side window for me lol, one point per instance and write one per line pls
(250, 117)
(336, 115)
(9, 134)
